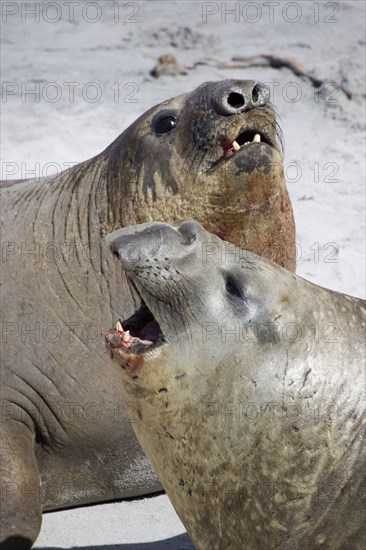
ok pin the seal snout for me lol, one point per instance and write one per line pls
(141, 243)
(149, 253)
(243, 120)
(241, 95)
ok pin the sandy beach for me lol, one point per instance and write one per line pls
(75, 75)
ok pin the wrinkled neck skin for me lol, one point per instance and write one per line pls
(62, 289)
(259, 445)
(55, 242)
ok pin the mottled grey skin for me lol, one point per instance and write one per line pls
(252, 412)
(66, 438)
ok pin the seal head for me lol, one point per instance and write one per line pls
(215, 155)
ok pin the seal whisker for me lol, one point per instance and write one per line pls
(186, 292)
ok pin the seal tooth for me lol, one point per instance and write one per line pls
(256, 138)
(126, 336)
(247, 142)
(235, 146)
(119, 327)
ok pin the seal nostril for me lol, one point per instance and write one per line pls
(256, 93)
(114, 250)
(189, 230)
(260, 94)
(236, 100)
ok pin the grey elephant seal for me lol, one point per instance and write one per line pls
(249, 384)
(66, 437)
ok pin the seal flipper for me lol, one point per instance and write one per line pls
(20, 510)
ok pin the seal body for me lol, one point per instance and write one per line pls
(249, 390)
(66, 436)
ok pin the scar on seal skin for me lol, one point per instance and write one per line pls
(66, 437)
(250, 386)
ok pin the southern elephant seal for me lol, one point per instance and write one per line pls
(65, 434)
(249, 387)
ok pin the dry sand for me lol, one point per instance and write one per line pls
(108, 61)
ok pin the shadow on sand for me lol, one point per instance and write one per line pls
(181, 542)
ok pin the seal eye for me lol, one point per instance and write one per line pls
(164, 122)
(166, 125)
(233, 288)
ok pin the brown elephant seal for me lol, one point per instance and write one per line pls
(65, 428)
(215, 153)
(249, 385)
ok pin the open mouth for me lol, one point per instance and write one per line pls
(244, 139)
(137, 334)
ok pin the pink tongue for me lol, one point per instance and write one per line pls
(145, 342)
(135, 340)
